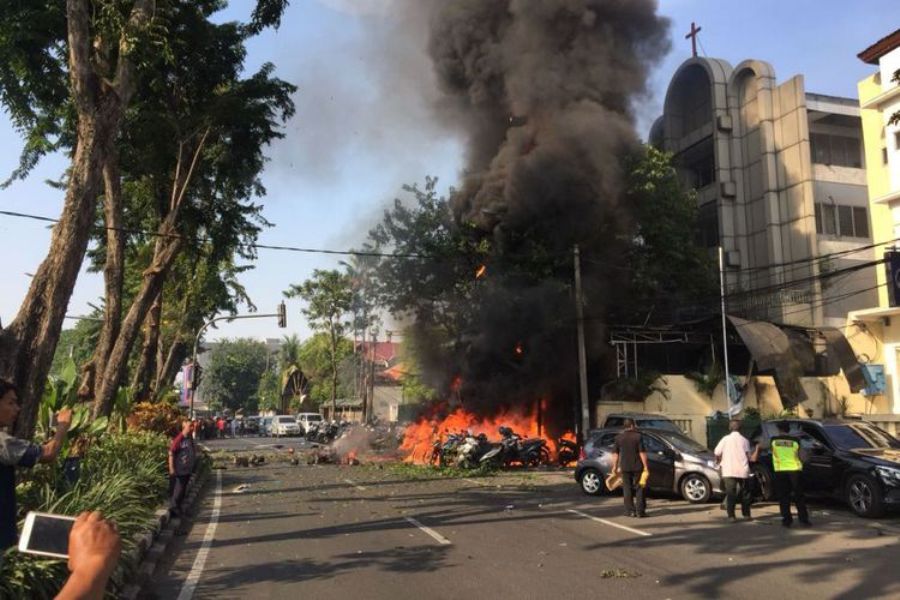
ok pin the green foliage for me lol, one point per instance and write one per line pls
(60, 393)
(706, 383)
(669, 269)
(636, 389)
(895, 118)
(315, 361)
(124, 476)
(269, 392)
(232, 378)
(155, 417)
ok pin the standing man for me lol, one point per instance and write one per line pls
(788, 466)
(630, 459)
(182, 455)
(15, 452)
(734, 457)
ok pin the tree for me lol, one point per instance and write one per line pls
(195, 144)
(669, 270)
(73, 99)
(317, 361)
(329, 297)
(232, 379)
(269, 392)
(67, 77)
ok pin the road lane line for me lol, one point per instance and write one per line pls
(440, 539)
(472, 481)
(353, 483)
(193, 578)
(610, 523)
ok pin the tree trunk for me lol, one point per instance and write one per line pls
(151, 285)
(113, 272)
(28, 344)
(147, 365)
(168, 369)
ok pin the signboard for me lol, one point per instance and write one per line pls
(187, 384)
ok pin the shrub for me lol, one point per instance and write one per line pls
(124, 476)
(160, 417)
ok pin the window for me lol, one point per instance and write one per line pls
(838, 150)
(708, 225)
(861, 221)
(652, 444)
(842, 220)
(884, 156)
(897, 140)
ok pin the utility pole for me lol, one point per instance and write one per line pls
(371, 399)
(724, 327)
(582, 356)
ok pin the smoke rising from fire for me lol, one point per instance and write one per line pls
(543, 92)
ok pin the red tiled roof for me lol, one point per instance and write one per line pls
(384, 351)
(871, 54)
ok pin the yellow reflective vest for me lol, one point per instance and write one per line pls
(786, 454)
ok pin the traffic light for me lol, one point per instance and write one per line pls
(282, 315)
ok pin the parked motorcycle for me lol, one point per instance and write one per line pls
(473, 447)
(567, 452)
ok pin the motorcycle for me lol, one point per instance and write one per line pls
(567, 452)
(469, 453)
(504, 452)
(443, 453)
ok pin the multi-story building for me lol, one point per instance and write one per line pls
(780, 180)
(875, 331)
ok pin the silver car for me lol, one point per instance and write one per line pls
(678, 464)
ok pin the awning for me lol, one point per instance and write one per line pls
(840, 349)
(773, 350)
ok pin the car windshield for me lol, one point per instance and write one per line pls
(286, 419)
(682, 443)
(860, 435)
(659, 424)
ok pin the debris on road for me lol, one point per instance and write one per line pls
(618, 574)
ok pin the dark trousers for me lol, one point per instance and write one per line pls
(631, 491)
(737, 489)
(788, 486)
(177, 488)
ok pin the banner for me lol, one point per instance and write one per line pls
(187, 384)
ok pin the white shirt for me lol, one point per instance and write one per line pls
(732, 452)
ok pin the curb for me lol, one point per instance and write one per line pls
(151, 546)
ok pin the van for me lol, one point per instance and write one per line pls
(304, 420)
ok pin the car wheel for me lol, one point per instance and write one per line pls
(864, 496)
(696, 488)
(765, 489)
(592, 482)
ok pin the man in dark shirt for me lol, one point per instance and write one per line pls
(630, 459)
(15, 452)
(182, 455)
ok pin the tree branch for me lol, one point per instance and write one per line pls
(81, 73)
(140, 15)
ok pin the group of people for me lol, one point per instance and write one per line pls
(734, 455)
(94, 542)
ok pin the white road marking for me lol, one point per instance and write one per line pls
(440, 539)
(193, 578)
(610, 523)
(472, 481)
(353, 483)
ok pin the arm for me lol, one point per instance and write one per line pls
(643, 455)
(615, 461)
(754, 456)
(94, 547)
(51, 449)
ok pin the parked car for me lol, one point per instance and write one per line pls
(251, 424)
(284, 425)
(265, 426)
(853, 461)
(304, 420)
(642, 420)
(678, 464)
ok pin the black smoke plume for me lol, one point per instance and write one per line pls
(543, 90)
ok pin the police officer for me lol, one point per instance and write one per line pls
(788, 467)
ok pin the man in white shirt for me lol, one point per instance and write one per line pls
(734, 457)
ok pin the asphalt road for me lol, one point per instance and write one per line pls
(378, 532)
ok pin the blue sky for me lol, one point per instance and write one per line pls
(365, 125)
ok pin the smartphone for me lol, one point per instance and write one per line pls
(46, 534)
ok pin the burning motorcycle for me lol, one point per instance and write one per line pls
(568, 452)
(470, 452)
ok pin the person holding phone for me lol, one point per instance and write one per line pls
(15, 452)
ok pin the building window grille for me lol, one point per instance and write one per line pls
(837, 150)
(841, 220)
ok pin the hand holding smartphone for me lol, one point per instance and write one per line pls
(46, 534)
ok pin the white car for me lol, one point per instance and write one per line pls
(284, 425)
(304, 420)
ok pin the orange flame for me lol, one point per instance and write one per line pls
(520, 349)
(420, 436)
(480, 271)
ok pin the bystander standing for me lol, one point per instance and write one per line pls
(630, 459)
(734, 457)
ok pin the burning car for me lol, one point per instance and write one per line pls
(678, 464)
